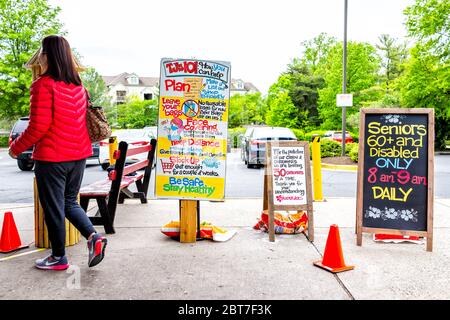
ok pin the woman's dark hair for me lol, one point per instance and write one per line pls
(61, 65)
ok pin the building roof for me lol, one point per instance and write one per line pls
(247, 86)
(250, 86)
(122, 79)
(154, 82)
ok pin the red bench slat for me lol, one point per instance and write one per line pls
(135, 166)
(126, 181)
(134, 151)
(98, 188)
(102, 187)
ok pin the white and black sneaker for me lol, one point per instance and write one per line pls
(51, 263)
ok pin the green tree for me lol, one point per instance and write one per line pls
(315, 53)
(426, 84)
(98, 92)
(393, 55)
(281, 110)
(428, 22)
(293, 99)
(136, 113)
(96, 86)
(362, 69)
(304, 94)
(246, 109)
(23, 24)
(426, 81)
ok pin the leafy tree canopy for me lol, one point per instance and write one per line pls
(136, 114)
(246, 109)
(23, 24)
(362, 68)
(428, 21)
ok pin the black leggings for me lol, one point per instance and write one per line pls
(58, 185)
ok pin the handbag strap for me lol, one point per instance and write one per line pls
(89, 103)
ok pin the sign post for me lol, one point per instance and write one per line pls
(317, 168)
(192, 136)
(287, 182)
(396, 173)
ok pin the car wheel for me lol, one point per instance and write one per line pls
(25, 165)
(249, 165)
(105, 165)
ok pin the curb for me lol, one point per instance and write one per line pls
(340, 167)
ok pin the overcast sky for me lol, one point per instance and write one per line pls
(258, 37)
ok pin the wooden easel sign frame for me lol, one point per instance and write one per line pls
(396, 173)
(287, 181)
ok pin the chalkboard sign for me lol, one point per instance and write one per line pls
(287, 181)
(395, 174)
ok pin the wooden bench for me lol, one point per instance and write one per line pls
(114, 189)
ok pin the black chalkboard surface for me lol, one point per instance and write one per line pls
(395, 172)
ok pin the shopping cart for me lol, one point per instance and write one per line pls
(167, 166)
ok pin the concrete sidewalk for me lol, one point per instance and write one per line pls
(142, 263)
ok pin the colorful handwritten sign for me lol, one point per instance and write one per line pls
(395, 181)
(192, 129)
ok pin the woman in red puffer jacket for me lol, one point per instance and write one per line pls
(58, 131)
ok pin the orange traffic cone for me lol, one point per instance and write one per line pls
(333, 259)
(10, 239)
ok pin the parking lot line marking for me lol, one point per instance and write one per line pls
(22, 254)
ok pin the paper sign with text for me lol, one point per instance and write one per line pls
(289, 178)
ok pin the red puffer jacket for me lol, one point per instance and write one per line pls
(57, 124)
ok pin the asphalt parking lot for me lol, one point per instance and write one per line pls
(241, 182)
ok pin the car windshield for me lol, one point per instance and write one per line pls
(273, 134)
(20, 126)
(339, 134)
(151, 132)
(131, 135)
(248, 132)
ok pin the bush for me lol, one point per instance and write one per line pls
(299, 134)
(330, 148)
(308, 135)
(137, 114)
(355, 135)
(352, 150)
(4, 141)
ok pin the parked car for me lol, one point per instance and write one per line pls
(337, 136)
(131, 136)
(152, 132)
(24, 161)
(255, 148)
(243, 142)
